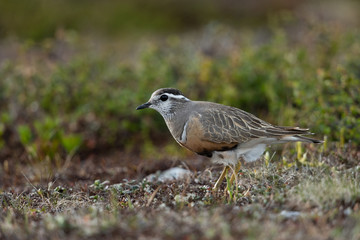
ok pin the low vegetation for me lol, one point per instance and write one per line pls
(316, 198)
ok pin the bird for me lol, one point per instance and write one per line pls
(222, 133)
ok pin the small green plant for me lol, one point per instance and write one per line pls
(100, 186)
(47, 139)
(230, 190)
(71, 142)
(25, 134)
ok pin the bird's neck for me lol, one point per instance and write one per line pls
(177, 119)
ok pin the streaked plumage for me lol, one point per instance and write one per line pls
(223, 133)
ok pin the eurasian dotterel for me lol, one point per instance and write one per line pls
(223, 133)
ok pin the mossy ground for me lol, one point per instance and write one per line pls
(315, 198)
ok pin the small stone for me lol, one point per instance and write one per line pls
(347, 211)
(172, 174)
(293, 215)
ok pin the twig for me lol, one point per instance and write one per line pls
(152, 196)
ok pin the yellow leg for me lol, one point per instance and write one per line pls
(221, 178)
(237, 169)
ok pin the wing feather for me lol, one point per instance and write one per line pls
(223, 124)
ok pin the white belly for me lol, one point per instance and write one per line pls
(249, 152)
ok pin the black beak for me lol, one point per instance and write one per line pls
(145, 105)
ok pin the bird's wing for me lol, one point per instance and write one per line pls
(222, 124)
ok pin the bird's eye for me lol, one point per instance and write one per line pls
(164, 97)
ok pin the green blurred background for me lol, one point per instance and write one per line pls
(72, 72)
(38, 19)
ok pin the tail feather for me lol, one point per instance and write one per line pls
(279, 130)
(295, 129)
(298, 138)
(307, 139)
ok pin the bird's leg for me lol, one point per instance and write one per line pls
(221, 178)
(237, 169)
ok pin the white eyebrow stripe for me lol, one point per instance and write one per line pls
(177, 96)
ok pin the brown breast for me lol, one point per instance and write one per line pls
(195, 139)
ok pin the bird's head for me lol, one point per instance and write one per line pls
(166, 101)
